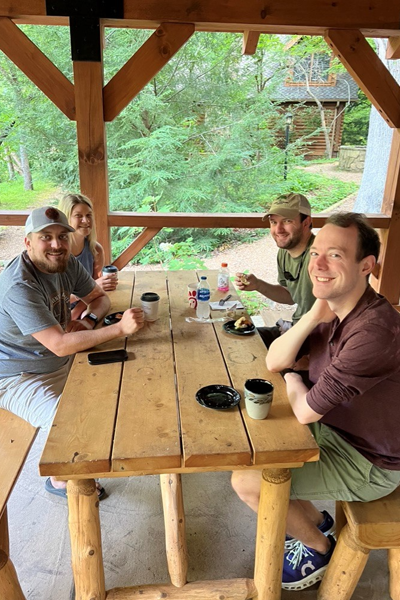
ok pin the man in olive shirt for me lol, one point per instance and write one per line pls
(290, 224)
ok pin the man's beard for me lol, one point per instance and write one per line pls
(49, 267)
(289, 244)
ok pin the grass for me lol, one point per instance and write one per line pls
(14, 197)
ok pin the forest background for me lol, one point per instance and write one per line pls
(205, 135)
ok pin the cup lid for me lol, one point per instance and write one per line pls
(149, 297)
(109, 269)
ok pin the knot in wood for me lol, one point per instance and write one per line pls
(264, 13)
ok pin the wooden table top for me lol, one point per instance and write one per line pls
(141, 416)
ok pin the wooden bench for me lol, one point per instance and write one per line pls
(363, 526)
(16, 438)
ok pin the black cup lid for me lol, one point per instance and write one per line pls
(110, 269)
(150, 297)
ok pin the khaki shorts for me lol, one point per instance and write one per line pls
(342, 473)
(34, 397)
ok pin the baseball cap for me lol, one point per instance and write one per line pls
(45, 216)
(290, 206)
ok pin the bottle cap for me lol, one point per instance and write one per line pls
(224, 264)
(203, 277)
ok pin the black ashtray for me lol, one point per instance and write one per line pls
(113, 318)
(218, 397)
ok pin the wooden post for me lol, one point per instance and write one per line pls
(271, 528)
(394, 573)
(389, 276)
(345, 568)
(175, 534)
(10, 588)
(92, 146)
(84, 529)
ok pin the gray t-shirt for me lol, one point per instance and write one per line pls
(31, 301)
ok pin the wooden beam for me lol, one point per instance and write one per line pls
(310, 16)
(144, 65)
(203, 220)
(37, 67)
(365, 66)
(134, 248)
(250, 41)
(92, 147)
(393, 48)
(212, 221)
(389, 276)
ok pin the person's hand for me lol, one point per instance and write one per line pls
(109, 282)
(78, 326)
(292, 377)
(132, 320)
(321, 313)
(245, 282)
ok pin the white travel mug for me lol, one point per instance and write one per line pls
(150, 302)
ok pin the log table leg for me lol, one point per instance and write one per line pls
(84, 529)
(271, 528)
(9, 584)
(175, 534)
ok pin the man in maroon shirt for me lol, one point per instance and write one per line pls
(353, 406)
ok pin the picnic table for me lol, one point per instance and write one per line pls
(140, 417)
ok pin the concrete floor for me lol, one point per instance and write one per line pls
(220, 535)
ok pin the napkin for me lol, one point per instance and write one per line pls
(227, 305)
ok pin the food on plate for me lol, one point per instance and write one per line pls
(242, 323)
(244, 279)
(118, 315)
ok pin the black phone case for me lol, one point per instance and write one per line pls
(111, 356)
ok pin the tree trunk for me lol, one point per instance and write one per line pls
(25, 168)
(10, 164)
(370, 194)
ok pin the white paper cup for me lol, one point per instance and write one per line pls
(192, 295)
(258, 395)
(150, 302)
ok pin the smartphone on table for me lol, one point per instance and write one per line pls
(111, 356)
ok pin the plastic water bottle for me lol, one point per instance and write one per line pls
(203, 299)
(223, 278)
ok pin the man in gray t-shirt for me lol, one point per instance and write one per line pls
(37, 335)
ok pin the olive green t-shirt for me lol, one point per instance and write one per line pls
(297, 280)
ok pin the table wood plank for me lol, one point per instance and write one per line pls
(81, 436)
(209, 437)
(147, 430)
(279, 438)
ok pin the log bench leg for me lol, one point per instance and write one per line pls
(175, 534)
(84, 529)
(271, 528)
(394, 573)
(345, 568)
(10, 588)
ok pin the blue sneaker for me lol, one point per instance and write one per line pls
(327, 527)
(303, 566)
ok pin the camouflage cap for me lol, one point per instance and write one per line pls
(290, 206)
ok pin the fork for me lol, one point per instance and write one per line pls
(223, 300)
